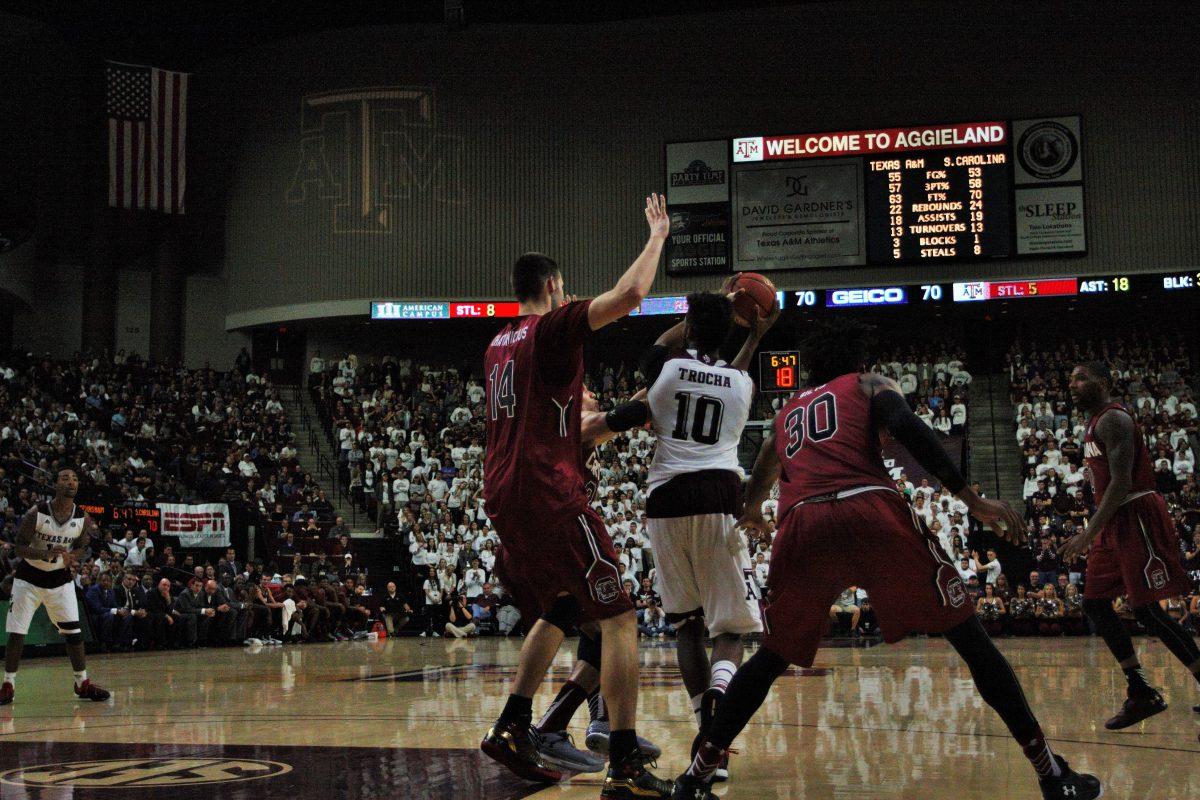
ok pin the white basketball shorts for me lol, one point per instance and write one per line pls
(703, 564)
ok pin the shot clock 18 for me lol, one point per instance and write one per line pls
(779, 371)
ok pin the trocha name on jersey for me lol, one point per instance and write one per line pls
(709, 378)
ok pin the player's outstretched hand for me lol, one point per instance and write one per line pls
(1076, 546)
(1001, 518)
(656, 216)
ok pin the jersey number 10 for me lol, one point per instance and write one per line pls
(705, 423)
(820, 425)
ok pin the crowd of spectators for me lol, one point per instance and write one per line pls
(138, 434)
(1153, 378)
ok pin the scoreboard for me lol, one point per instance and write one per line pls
(908, 195)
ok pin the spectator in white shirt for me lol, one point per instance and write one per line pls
(438, 488)
(991, 566)
(473, 580)
(247, 467)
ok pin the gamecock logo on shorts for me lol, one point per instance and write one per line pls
(607, 590)
(1158, 579)
(955, 592)
(136, 772)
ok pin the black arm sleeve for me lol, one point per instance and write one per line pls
(889, 410)
(626, 416)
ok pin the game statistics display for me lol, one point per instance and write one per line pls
(919, 194)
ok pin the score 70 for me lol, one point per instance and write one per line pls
(931, 291)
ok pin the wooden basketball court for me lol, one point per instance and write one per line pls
(403, 718)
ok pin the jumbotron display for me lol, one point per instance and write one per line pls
(921, 194)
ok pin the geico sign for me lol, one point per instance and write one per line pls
(867, 297)
(191, 522)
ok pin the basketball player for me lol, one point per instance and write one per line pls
(843, 523)
(556, 555)
(554, 744)
(698, 405)
(50, 534)
(1134, 548)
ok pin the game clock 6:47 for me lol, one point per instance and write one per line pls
(779, 371)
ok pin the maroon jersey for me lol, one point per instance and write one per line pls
(1096, 455)
(534, 381)
(827, 442)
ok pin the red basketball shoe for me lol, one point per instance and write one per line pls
(90, 691)
(6, 693)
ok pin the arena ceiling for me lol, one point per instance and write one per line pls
(180, 34)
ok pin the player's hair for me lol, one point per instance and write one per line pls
(835, 347)
(709, 317)
(1098, 370)
(64, 468)
(530, 273)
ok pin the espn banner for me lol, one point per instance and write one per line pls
(203, 525)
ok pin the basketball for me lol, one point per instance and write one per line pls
(758, 300)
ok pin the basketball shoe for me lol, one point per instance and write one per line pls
(1138, 706)
(513, 745)
(558, 750)
(630, 780)
(90, 691)
(596, 740)
(689, 788)
(7, 693)
(1070, 785)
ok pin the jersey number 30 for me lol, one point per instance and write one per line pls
(500, 391)
(821, 423)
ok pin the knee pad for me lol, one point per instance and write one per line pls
(563, 613)
(589, 650)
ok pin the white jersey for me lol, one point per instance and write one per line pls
(49, 533)
(698, 409)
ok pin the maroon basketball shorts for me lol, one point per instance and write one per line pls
(871, 540)
(1137, 555)
(542, 557)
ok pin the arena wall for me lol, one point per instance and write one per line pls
(498, 140)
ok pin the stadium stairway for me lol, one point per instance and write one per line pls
(316, 457)
(995, 457)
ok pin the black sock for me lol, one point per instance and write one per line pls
(621, 745)
(746, 693)
(1136, 679)
(518, 709)
(558, 716)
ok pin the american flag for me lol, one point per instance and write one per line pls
(147, 131)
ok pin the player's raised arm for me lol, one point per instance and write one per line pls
(1117, 433)
(635, 284)
(762, 478)
(890, 410)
